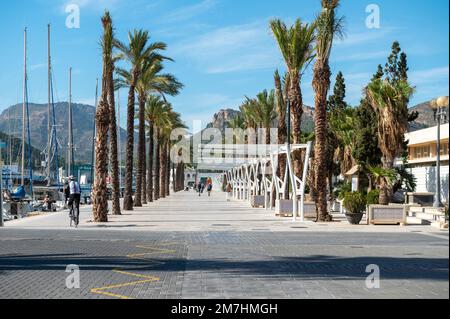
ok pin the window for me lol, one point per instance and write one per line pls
(444, 149)
(421, 152)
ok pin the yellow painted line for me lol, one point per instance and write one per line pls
(135, 275)
(148, 279)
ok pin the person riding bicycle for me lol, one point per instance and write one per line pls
(75, 194)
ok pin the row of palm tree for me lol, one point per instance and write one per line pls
(334, 135)
(155, 116)
(300, 45)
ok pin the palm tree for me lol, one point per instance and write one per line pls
(328, 27)
(151, 81)
(281, 95)
(296, 46)
(100, 209)
(390, 103)
(137, 52)
(114, 155)
(248, 113)
(265, 111)
(153, 111)
(157, 114)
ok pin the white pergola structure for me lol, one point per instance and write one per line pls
(245, 182)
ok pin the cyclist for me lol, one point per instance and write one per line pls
(75, 196)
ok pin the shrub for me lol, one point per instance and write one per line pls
(373, 197)
(341, 189)
(355, 203)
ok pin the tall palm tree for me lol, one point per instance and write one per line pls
(173, 121)
(265, 112)
(281, 95)
(153, 111)
(102, 120)
(296, 46)
(136, 52)
(114, 154)
(250, 123)
(390, 103)
(329, 26)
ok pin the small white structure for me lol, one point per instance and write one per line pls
(422, 159)
(245, 182)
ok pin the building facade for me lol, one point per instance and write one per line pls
(422, 159)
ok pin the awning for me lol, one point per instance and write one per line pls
(353, 171)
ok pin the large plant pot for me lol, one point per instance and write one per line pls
(387, 215)
(354, 219)
(258, 201)
(284, 208)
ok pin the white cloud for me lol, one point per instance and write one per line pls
(430, 76)
(232, 49)
(188, 12)
(362, 56)
(37, 66)
(354, 38)
(97, 5)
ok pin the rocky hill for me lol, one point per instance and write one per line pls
(221, 118)
(426, 116)
(425, 119)
(83, 125)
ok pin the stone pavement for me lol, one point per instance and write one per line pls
(190, 247)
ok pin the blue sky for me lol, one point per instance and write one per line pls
(223, 49)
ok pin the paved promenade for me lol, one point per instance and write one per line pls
(191, 247)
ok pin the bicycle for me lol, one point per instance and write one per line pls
(74, 218)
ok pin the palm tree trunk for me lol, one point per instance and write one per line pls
(128, 197)
(296, 100)
(141, 155)
(150, 165)
(168, 165)
(321, 84)
(174, 178)
(144, 173)
(114, 157)
(100, 192)
(282, 131)
(162, 171)
(386, 190)
(157, 165)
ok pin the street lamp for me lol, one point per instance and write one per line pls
(438, 105)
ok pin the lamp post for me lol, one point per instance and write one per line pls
(438, 106)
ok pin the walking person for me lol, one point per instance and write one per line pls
(209, 189)
(229, 190)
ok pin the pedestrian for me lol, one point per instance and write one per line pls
(209, 188)
(229, 189)
(201, 188)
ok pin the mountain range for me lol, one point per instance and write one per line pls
(83, 127)
(83, 119)
(424, 120)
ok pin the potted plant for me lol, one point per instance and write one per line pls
(355, 204)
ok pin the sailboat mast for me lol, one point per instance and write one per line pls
(69, 169)
(49, 127)
(24, 104)
(10, 149)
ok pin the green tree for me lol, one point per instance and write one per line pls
(136, 52)
(390, 103)
(328, 26)
(297, 48)
(102, 121)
